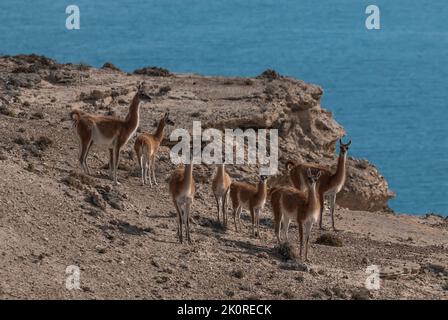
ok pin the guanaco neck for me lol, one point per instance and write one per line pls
(339, 176)
(188, 176)
(220, 172)
(132, 117)
(160, 130)
(313, 197)
(262, 190)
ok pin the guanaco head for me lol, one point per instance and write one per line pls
(313, 176)
(167, 120)
(343, 147)
(142, 95)
(263, 178)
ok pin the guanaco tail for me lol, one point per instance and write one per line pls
(220, 187)
(329, 185)
(289, 203)
(249, 197)
(108, 131)
(182, 189)
(146, 147)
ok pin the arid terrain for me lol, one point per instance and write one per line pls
(123, 238)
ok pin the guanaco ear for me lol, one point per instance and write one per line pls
(309, 173)
(319, 173)
(349, 143)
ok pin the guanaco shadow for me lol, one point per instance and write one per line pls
(126, 228)
(250, 248)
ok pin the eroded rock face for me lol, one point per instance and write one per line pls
(309, 134)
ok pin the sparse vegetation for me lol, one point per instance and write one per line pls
(153, 72)
(239, 274)
(269, 74)
(78, 180)
(43, 143)
(7, 112)
(287, 251)
(329, 239)
(164, 90)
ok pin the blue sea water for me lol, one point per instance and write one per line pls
(387, 87)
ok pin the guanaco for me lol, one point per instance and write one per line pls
(220, 187)
(146, 147)
(289, 203)
(108, 131)
(329, 185)
(249, 197)
(182, 189)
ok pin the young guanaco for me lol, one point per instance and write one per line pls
(249, 197)
(146, 146)
(220, 187)
(182, 189)
(289, 203)
(108, 131)
(329, 185)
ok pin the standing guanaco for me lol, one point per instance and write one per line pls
(146, 146)
(250, 197)
(329, 184)
(182, 189)
(108, 131)
(288, 204)
(220, 187)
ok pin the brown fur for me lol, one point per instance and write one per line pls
(249, 197)
(328, 182)
(182, 189)
(288, 204)
(107, 130)
(220, 187)
(146, 147)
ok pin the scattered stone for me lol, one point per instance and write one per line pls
(112, 197)
(366, 261)
(155, 263)
(436, 268)
(313, 273)
(294, 265)
(229, 293)
(319, 294)
(37, 116)
(445, 286)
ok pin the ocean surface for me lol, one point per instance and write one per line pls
(387, 87)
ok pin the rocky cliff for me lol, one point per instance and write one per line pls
(308, 132)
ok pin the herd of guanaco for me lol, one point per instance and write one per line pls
(303, 202)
